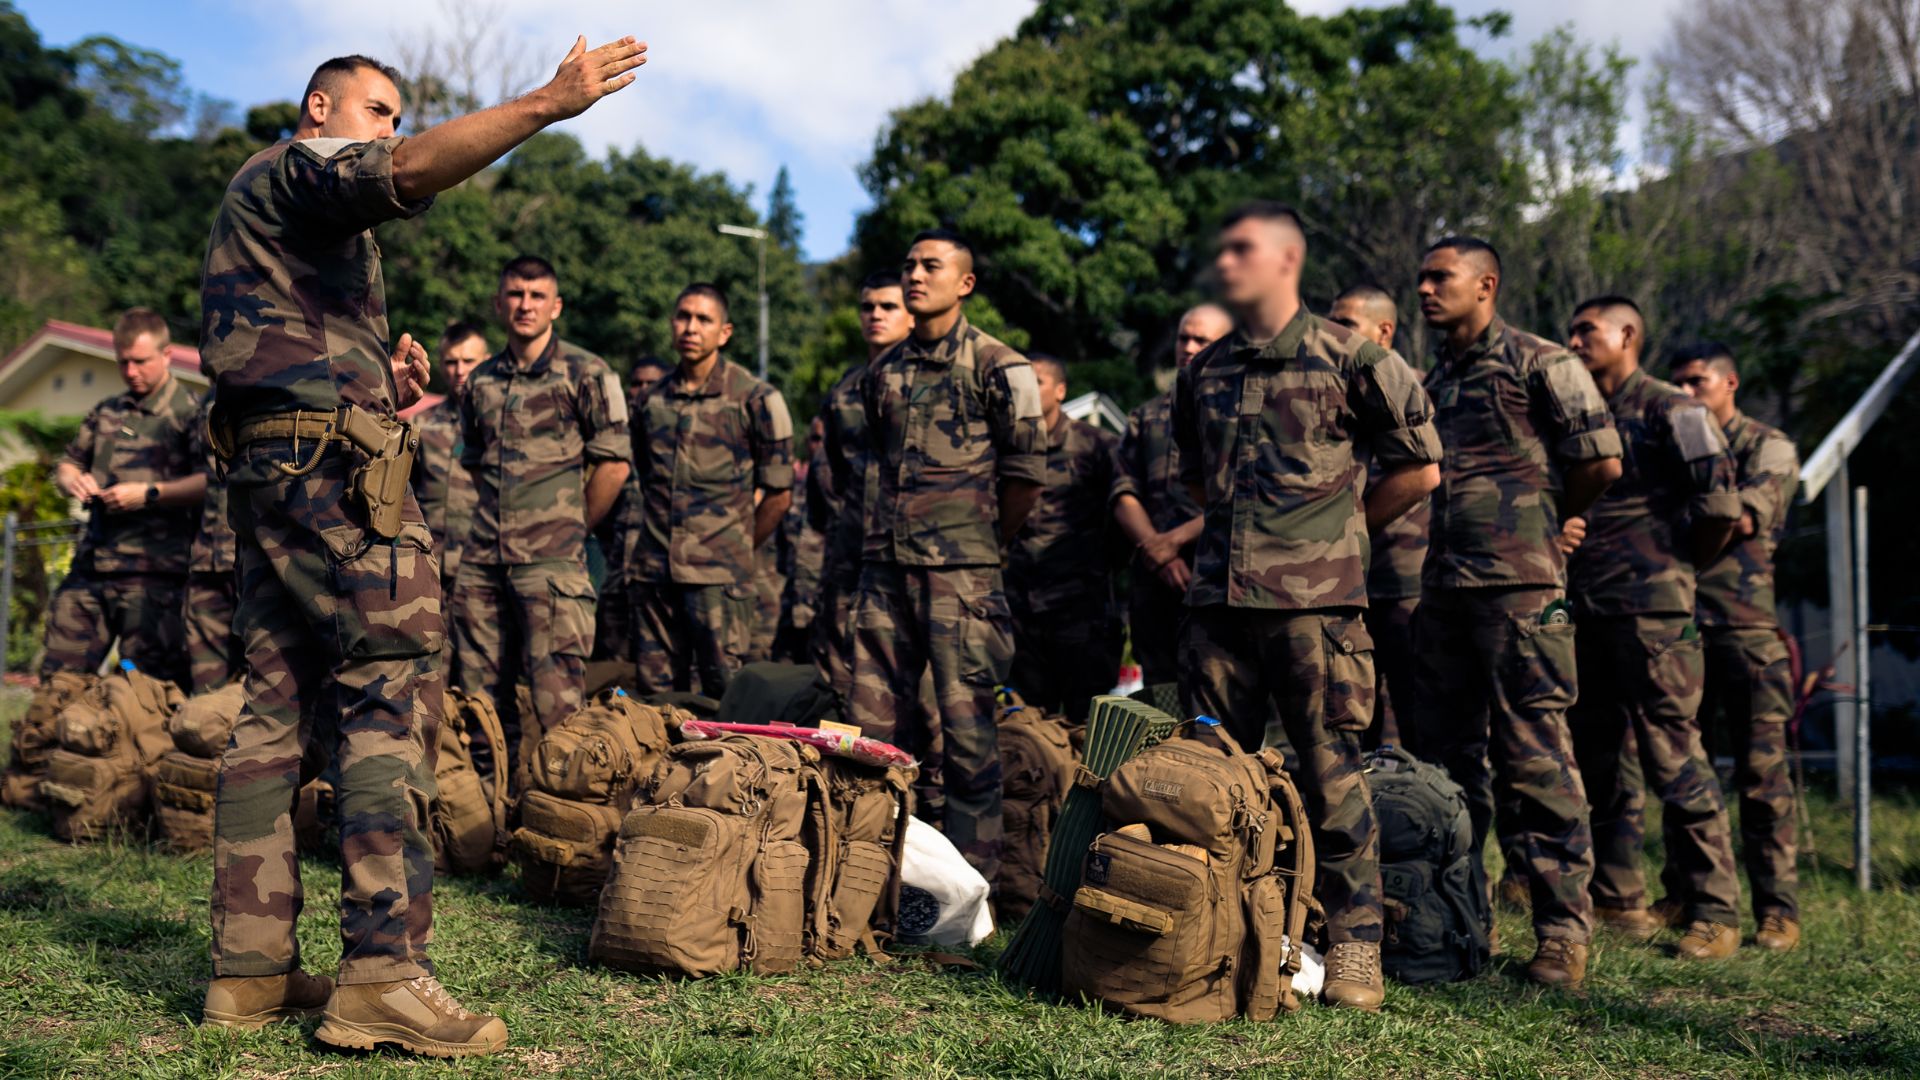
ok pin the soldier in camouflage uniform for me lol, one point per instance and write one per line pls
(1157, 513)
(710, 438)
(134, 465)
(544, 434)
(956, 463)
(802, 553)
(616, 536)
(1399, 549)
(1632, 585)
(213, 649)
(1528, 439)
(1274, 424)
(441, 484)
(1066, 639)
(341, 623)
(1749, 684)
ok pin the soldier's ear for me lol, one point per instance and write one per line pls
(318, 107)
(559, 305)
(967, 282)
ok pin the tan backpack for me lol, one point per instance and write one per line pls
(1037, 763)
(188, 776)
(35, 736)
(1182, 914)
(581, 780)
(99, 779)
(856, 836)
(469, 810)
(710, 875)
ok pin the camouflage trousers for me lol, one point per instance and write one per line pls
(953, 619)
(341, 631)
(91, 611)
(691, 637)
(1492, 685)
(1390, 620)
(1316, 669)
(530, 623)
(832, 638)
(1155, 614)
(1645, 674)
(768, 584)
(1062, 657)
(613, 619)
(213, 648)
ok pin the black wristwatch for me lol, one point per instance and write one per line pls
(153, 494)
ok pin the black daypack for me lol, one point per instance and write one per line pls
(1435, 891)
(767, 692)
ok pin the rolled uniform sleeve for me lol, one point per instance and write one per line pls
(347, 184)
(1126, 481)
(1394, 408)
(81, 450)
(1766, 486)
(604, 423)
(772, 433)
(1706, 462)
(1013, 413)
(1580, 425)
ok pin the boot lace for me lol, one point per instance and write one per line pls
(1773, 924)
(1555, 951)
(429, 988)
(1705, 930)
(1352, 961)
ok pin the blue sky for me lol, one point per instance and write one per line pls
(734, 85)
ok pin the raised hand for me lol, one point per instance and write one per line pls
(410, 371)
(586, 76)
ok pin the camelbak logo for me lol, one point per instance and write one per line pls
(1164, 790)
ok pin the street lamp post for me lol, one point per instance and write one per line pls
(760, 238)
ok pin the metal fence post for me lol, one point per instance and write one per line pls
(1863, 712)
(12, 536)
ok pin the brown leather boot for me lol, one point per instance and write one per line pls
(1671, 912)
(1706, 940)
(1353, 976)
(1558, 962)
(254, 1001)
(1513, 894)
(415, 1014)
(1634, 924)
(1780, 933)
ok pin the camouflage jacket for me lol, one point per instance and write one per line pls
(1149, 465)
(948, 421)
(530, 436)
(1513, 411)
(1399, 551)
(442, 485)
(802, 549)
(701, 454)
(133, 440)
(839, 513)
(1277, 437)
(1061, 557)
(1737, 588)
(1676, 471)
(213, 550)
(293, 306)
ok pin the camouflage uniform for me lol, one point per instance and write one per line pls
(1494, 660)
(802, 552)
(1276, 435)
(1066, 640)
(701, 454)
(336, 622)
(446, 496)
(839, 515)
(1393, 592)
(531, 433)
(769, 584)
(1150, 465)
(213, 649)
(619, 535)
(948, 422)
(129, 568)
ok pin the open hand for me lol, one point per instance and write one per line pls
(410, 371)
(586, 77)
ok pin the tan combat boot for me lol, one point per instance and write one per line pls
(249, 1002)
(1706, 940)
(1634, 924)
(1780, 933)
(415, 1014)
(1513, 894)
(1558, 962)
(1353, 976)
(1671, 912)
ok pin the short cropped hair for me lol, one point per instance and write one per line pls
(326, 78)
(1468, 245)
(461, 331)
(712, 292)
(1610, 300)
(1715, 354)
(1264, 210)
(880, 279)
(530, 268)
(947, 236)
(1054, 365)
(136, 321)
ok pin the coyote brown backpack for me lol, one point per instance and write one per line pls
(710, 874)
(1037, 763)
(469, 810)
(1432, 886)
(99, 778)
(856, 835)
(581, 780)
(1182, 913)
(188, 776)
(35, 736)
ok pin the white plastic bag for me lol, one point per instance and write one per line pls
(943, 899)
(1312, 974)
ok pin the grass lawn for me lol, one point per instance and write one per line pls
(103, 961)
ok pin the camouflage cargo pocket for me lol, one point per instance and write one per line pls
(1540, 664)
(1348, 691)
(1677, 662)
(986, 639)
(386, 592)
(571, 595)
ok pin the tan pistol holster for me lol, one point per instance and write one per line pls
(379, 483)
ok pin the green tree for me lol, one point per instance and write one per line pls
(784, 219)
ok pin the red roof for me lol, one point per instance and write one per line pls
(180, 357)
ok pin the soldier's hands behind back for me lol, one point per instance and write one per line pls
(587, 76)
(1572, 532)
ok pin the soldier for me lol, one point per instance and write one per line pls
(1749, 686)
(956, 465)
(711, 438)
(213, 648)
(1393, 570)
(1274, 423)
(441, 484)
(802, 552)
(1632, 584)
(339, 603)
(613, 616)
(134, 465)
(1528, 440)
(841, 512)
(1158, 514)
(543, 429)
(1066, 641)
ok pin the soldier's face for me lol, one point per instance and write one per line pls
(700, 328)
(1599, 341)
(816, 437)
(1708, 385)
(1453, 288)
(460, 358)
(528, 306)
(883, 316)
(1053, 391)
(362, 106)
(1352, 313)
(143, 364)
(645, 375)
(1257, 258)
(936, 278)
(1200, 328)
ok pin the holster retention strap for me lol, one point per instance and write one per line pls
(380, 482)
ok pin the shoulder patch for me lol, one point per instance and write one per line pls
(778, 415)
(325, 149)
(616, 398)
(1570, 384)
(1696, 433)
(1025, 390)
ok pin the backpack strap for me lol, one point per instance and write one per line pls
(480, 712)
(824, 867)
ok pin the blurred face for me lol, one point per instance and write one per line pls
(528, 306)
(1257, 259)
(459, 358)
(1053, 391)
(1708, 384)
(1600, 339)
(645, 375)
(700, 328)
(1454, 288)
(816, 437)
(362, 106)
(936, 278)
(1200, 328)
(883, 316)
(1357, 315)
(143, 364)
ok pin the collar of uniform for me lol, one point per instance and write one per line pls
(539, 364)
(1628, 385)
(1487, 344)
(1057, 434)
(159, 395)
(936, 352)
(1734, 423)
(1284, 346)
(714, 386)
